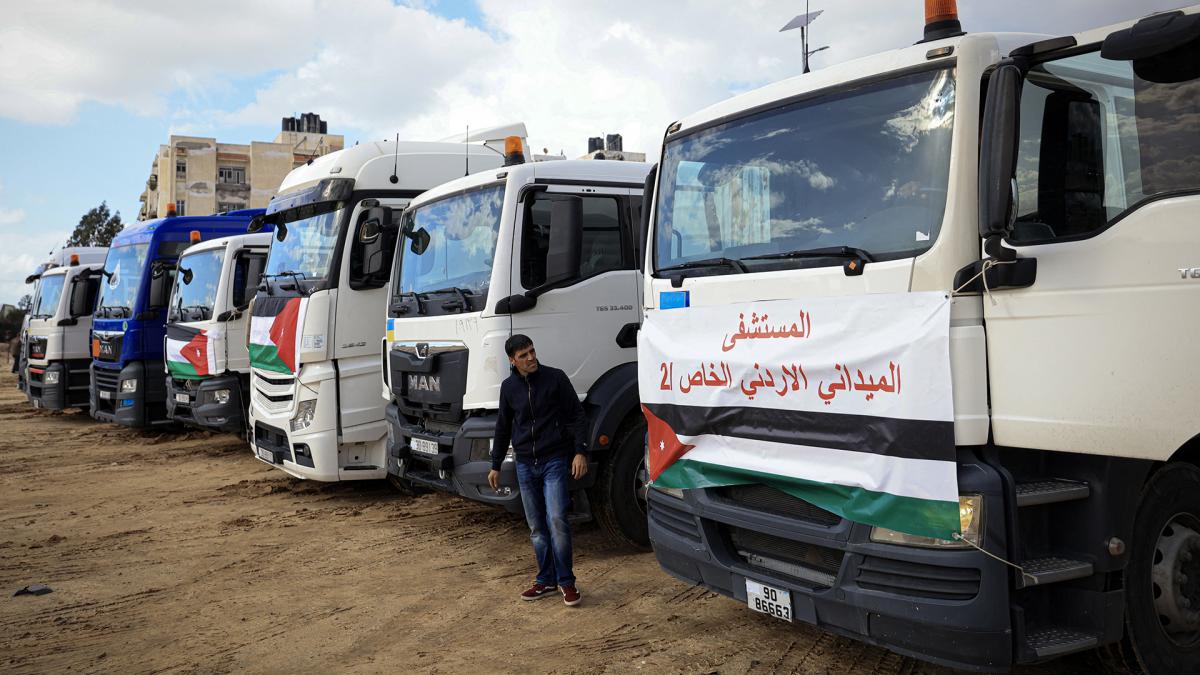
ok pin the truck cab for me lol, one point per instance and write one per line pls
(315, 327)
(60, 322)
(208, 364)
(1048, 189)
(547, 249)
(62, 256)
(130, 321)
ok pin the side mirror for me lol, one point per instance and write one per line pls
(78, 304)
(566, 240)
(420, 241)
(254, 270)
(280, 232)
(256, 225)
(997, 159)
(370, 238)
(644, 224)
(515, 304)
(160, 284)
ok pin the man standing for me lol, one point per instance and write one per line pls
(541, 415)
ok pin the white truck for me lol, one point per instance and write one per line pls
(52, 368)
(56, 346)
(548, 249)
(208, 363)
(316, 335)
(1051, 186)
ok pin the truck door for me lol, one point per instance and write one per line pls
(358, 327)
(1099, 354)
(575, 326)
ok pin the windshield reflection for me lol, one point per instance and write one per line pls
(867, 169)
(47, 300)
(122, 274)
(309, 247)
(462, 241)
(195, 299)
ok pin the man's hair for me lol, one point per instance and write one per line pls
(516, 343)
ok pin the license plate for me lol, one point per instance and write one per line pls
(771, 601)
(423, 446)
(181, 398)
(106, 395)
(265, 455)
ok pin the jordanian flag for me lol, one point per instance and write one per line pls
(276, 329)
(844, 402)
(190, 352)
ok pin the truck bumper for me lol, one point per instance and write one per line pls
(461, 464)
(196, 404)
(59, 384)
(946, 606)
(143, 407)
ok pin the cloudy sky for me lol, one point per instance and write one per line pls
(90, 88)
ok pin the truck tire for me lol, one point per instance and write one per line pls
(618, 497)
(1162, 580)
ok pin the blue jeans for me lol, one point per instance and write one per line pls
(545, 496)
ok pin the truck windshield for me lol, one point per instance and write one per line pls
(195, 293)
(307, 250)
(463, 230)
(866, 169)
(47, 300)
(119, 288)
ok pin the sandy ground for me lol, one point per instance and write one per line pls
(181, 553)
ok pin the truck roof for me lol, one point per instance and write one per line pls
(64, 269)
(262, 239)
(582, 170)
(371, 163)
(854, 70)
(230, 223)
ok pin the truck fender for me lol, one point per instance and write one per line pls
(610, 401)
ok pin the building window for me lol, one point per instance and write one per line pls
(181, 168)
(226, 207)
(231, 175)
(180, 208)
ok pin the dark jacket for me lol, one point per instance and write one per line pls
(541, 416)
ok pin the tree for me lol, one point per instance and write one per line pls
(97, 227)
(25, 302)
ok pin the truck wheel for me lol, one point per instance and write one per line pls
(1162, 585)
(619, 495)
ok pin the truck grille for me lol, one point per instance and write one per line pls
(273, 394)
(776, 502)
(813, 565)
(678, 522)
(106, 380)
(918, 579)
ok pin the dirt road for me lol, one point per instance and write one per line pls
(181, 553)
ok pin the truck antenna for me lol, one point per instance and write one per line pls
(467, 152)
(395, 161)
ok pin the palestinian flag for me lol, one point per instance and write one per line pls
(844, 402)
(276, 329)
(190, 352)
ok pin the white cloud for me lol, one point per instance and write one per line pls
(11, 216)
(20, 253)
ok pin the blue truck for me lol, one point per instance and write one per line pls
(128, 384)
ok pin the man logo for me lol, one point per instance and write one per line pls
(431, 383)
(422, 350)
(1193, 272)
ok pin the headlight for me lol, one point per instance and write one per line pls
(128, 386)
(304, 414)
(50, 377)
(970, 521)
(220, 396)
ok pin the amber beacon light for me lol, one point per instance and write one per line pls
(514, 151)
(941, 20)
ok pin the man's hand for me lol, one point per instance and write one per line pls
(579, 467)
(494, 479)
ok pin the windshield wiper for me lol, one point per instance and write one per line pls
(403, 309)
(115, 312)
(296, 277)
(732, 263)
(463, 303)
(830, 252)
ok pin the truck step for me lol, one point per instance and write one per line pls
(1051, 642)
(1051, 491)
(1052, 569)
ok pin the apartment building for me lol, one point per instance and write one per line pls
(202, 175)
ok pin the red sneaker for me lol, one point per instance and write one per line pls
(571, 596)
(538, 591)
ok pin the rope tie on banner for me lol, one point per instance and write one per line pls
(1027, 577)
(987, 265)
